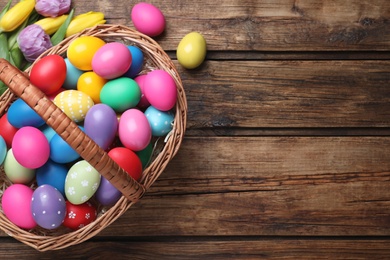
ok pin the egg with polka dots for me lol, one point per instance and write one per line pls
(48, 207)
(161, 122)
(74, 103)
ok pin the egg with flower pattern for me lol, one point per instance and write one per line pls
(81, 182)
(75, 104)
(78, 216)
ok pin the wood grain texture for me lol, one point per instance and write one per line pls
(288, 25)
(288, 94)
(205, 248)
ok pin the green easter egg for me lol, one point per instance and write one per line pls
(81, 182)
(145, 155)
(15, 172)
(120, 94)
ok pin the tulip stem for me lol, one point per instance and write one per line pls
(60, 34)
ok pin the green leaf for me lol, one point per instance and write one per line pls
(60, 33)
(4, 46)
(3, 87)
(16, 56)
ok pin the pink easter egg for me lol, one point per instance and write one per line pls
(160, 90)
(148, 19)
(143, 103)
(30, 147)
(134, 130)
(112, 60)
(16, 205)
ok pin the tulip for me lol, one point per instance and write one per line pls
(84, 21)
(52, 8)
(33, 41)
(51, 24)
(15, 16)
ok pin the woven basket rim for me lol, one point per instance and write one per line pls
(156, 59)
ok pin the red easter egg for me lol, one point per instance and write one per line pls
(7, 131)
(49, 73)
(128, 160)
(78, 216)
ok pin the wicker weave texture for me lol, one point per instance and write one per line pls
(20, 86)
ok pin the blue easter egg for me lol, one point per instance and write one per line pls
(20, 114)
(61, 151)
(3, 150)
(54, 174)
(160, 121)
(136, 63)
(72, 75)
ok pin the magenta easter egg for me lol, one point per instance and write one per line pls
(160, 90)
(134, 130)
(30, 147)
(101, 124)
(148, 19)
(143, 103)
(112, 60)
(16, 205)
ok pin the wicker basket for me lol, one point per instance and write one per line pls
(19, 86)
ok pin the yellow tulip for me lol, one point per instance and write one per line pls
(84, 21)
(15, 16)
(51, 24)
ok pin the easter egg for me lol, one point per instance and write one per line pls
(143, 102)
(72, 75)
(81, 183)
(79, 216)
(20, 114)
(15, 172)
(145, 155)
(134, 130)
(91, 84)
(127, 160)
(48, 207)
(7, 131)
(107, 194)
(61, 151)
(136, 63)
(81, 50)
(191, 50)
(53, 174)
(112, 60)
(74, 104)
(3, 150)
(160, 90)
(121, 94)
(161, 122)
(101, 125)
(49, 73)
(16, 202)
(148, 19)
(47, 131)
(30, 147)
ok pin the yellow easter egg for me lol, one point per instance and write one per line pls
(91, 84)
(191, 50)
(75, 104)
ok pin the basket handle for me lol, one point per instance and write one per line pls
(20, 85)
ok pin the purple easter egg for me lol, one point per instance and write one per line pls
(107, 194)
(101, 125)
(48, 207)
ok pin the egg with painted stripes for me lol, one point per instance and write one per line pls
(75, 104)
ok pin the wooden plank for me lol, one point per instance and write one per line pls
(287, 186)
(267, 25)
(296, 186)
(200, 248)
(286, 25)
(288, 94)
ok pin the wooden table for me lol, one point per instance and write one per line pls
(287, 149)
